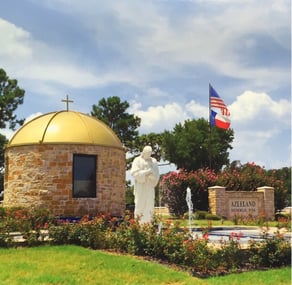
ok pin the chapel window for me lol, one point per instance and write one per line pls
(84, 176)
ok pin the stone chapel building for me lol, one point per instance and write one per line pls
(67, 162)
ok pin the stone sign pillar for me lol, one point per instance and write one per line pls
(242, 203)
(217, 201)
(269, 204)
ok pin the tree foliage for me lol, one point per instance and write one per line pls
(151, 139)
(11, 96)
(113, 112)
(3, 142)
(250, 176)
(192, 146)
(174, 185)
(283, 174)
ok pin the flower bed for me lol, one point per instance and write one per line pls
(172, 244)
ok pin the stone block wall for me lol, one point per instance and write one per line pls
(41, 176)
(229, 203)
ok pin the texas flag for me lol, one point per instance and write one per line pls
(219, 113)
(219, 121)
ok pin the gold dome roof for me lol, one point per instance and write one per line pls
(65, 127)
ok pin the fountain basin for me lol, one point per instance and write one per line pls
(242, 234)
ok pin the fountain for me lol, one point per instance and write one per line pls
(159, 230)
(190, 207)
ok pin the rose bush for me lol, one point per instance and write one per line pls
(172, 244)
(175, 184)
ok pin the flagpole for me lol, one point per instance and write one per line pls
(209, 142)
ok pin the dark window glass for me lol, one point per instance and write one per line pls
(84, 176)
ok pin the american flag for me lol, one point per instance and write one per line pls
(217, 102)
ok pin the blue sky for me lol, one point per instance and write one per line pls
(160, 56)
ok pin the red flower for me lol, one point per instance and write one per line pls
(205, 236)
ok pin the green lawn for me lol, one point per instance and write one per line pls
(77, 265)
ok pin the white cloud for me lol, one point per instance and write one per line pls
(159, 118)
(253, 139)
(251, 110)
(259, 109)
(258, 120)
(152, 49)
(63, 73)
(26, 58)
(197, 110)
(257, 146)
(153, 43)
(32, 116)
(7, 133)
(14, 42)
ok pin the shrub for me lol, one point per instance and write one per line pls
(212, 217)
(230, 256)
(2, 212)
(284, 222)
(29, 223)
(130, 237)
(60, 234)
(199, 255)
(172, 244)
(174, 186)
(271, 252)
(201, 215)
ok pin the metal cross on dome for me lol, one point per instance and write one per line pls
(67, 102)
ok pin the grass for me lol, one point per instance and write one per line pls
(198, 223)
(269, 277)
(76, 265)
(205, 222)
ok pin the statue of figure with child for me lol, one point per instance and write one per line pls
(146, 176)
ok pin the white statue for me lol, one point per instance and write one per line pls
(146, 175)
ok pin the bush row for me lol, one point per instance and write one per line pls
(174, 245)
(169, 243)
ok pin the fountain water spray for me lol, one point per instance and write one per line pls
(159, 214)
(190, 207)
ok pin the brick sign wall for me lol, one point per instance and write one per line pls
(243, 203)
(244, 206)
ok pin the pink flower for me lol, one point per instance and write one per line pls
(205, 236)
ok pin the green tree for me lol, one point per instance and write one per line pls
(113, 112)
(129, 194)
(152, 139)
(192, 145)
(11, 96)
(283, 174)
(3, 142)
